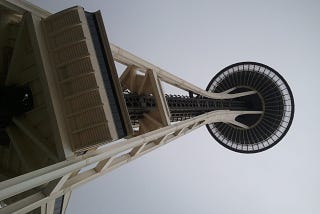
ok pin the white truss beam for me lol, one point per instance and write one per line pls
(36, 178)
(126, 58)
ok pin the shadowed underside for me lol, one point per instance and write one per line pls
(274, 98)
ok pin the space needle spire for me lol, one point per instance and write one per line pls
(67, 118)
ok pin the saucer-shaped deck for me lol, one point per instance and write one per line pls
(274, 98)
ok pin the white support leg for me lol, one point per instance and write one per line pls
(126, 58)
(36, 178)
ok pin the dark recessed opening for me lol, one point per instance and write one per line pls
(252, 103)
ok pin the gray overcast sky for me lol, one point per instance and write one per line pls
(194, 174)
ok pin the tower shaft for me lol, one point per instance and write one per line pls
(180, 107)
(49, 184)
(79, 104)
(49, 188)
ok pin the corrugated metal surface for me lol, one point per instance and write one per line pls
(76, 70)
(86, 84)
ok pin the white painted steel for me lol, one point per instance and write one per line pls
(126, 58)
(148, 141)
(33, 179)
(111, 156)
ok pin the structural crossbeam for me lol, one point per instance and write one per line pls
(126, 58)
